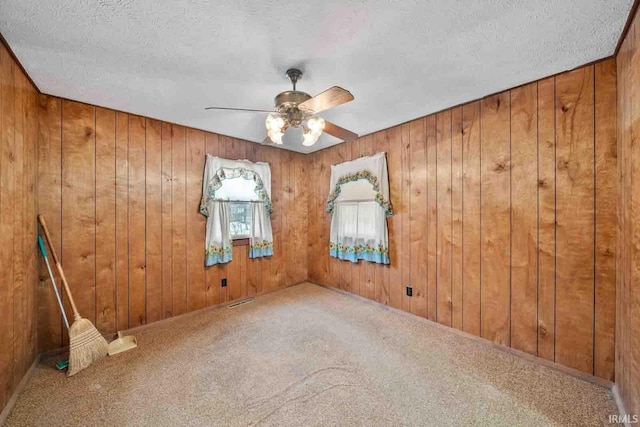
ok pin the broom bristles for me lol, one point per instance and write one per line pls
(86, 345)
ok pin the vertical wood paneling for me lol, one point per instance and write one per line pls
(18, 173)
(456, 218)
(78, 209)
(575, 218)
(153, 220)
(432, 216)
(137, 223)
(605, 262)
(196, 223)
(495, 219)
(443, 236)
(19, 267)
(405, 157)
(179, 219)
(418, 218)
(167, 223)
(627, 366)
(7, 198)
(471, 218)
(122, 221)
(394, 164)
(105, 220)
(546, 219)
(524, 218)
(49, 204)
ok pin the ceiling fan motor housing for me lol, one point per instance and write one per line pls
(287, 105)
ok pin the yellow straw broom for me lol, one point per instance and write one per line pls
(86, 344)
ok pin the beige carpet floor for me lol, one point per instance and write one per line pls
(307, 355)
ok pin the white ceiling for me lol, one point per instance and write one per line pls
(169, 59)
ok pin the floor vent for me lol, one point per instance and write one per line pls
(239, 303)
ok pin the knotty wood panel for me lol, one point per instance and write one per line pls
(153, 220)
(432, 217)
(443, 236)
(122, 194)
(105, 220)
(605, 239)
(418, 219)
(137, 222)
(524, 218)
(546, 219)
(456, 218)
(122, 221)
(471, 218)
(575, 219)
(627, 369)
(18, 310)
(78, 209)
(495, 220)
(500, 175)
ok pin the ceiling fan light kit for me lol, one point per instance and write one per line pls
(294, 108)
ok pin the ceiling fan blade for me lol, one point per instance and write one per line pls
(338, 132)
(239, 109)
(330, 98)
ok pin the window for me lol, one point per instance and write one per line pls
(240, 220)
(239, 191)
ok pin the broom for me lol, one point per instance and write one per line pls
(86, 344)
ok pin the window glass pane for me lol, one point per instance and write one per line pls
(240, 219)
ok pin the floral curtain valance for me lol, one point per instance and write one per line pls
(218, 169)
(371, 170)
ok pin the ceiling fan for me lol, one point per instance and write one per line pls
(294, 108)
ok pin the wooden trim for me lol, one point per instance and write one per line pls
(241, 242)
(15, 58)
(543, 362)
(627, 25)
(14, 397)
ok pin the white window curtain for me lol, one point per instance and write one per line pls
(359, 203)
(228, 181)
(218, 247)
(261, 238)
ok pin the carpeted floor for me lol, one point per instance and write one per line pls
(307, 355)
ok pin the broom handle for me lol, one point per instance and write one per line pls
(43, 224)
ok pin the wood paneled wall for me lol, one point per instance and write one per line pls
(505, 218)
(628, 284)
(18, 159)
(121, 195)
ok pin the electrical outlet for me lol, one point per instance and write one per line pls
(223, 283)
(409, 291)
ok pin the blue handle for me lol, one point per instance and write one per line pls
(43, 249)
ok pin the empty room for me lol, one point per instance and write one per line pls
(336, 212)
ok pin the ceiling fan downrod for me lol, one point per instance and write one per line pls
(294, 75)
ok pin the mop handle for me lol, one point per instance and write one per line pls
(43, 250)
(43, 224)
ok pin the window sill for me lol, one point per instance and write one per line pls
(241, 242)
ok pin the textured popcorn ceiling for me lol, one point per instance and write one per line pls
(400, 59)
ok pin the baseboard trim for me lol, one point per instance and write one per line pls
(14, 397)
(538, 360)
